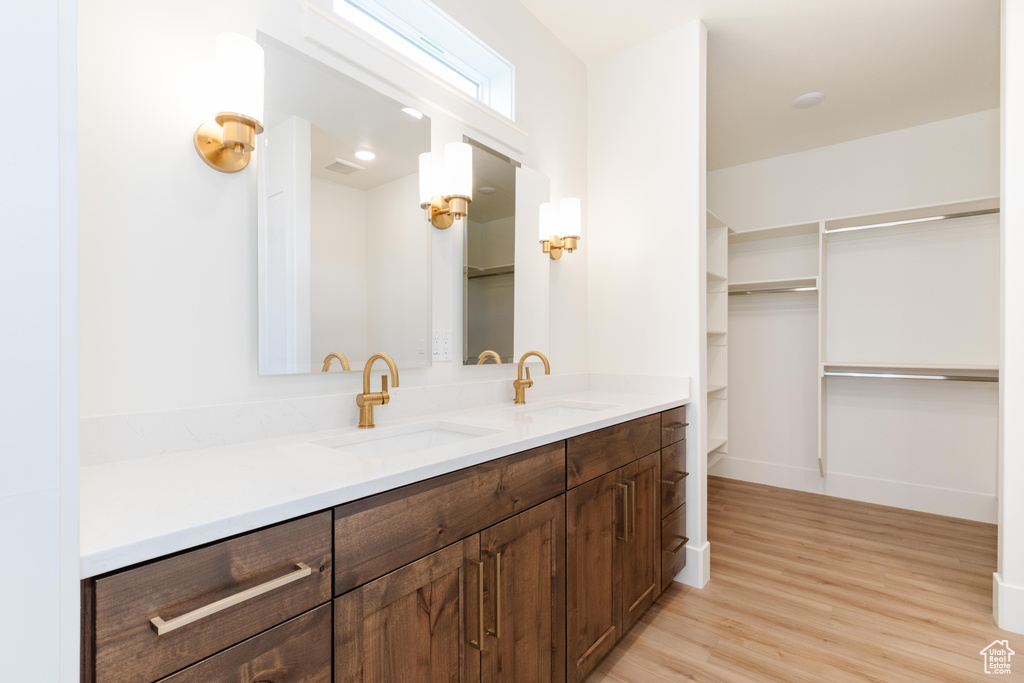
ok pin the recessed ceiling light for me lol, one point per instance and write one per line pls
(485, 190)
(415, 113)
(365, 155)
(808, 100)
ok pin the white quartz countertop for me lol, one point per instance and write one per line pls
(140, 509)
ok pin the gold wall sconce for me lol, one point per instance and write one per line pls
(560, 227)
(227, 142)
(446, 184)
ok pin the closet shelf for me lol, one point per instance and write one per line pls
(715, 388)
(712, 333)
(716, 277)
(716, 442)
(774, 232)
(714, 459)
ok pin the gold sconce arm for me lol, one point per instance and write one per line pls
(341, 359)
(442, 212)
(556, 245)
(227, 142)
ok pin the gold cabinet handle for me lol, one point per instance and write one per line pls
(625, 513)
(161, 627)
(478, 644)
(496, 631)
(673, 482)
(632, 507)
(683, 541)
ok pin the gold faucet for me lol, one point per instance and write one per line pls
(520, 384)
(493, 355)
(341, 358)
(366, 400)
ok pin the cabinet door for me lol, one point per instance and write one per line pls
(594, 522)
(413, 624)
(524, 559)
(639, 554)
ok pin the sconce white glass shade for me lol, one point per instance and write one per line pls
(569, 217)
(458, 161)
(431, 176)
(548, 221)
(239, 76)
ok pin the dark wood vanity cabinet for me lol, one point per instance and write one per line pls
(487, 608)
(613, 542)
(526, 568)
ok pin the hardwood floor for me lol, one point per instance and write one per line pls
(812, 588)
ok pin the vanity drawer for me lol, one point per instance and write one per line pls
(673, 477)
(261, 570)
(673, 425)
(673, 545)
(588, 456)
(381, 533)
(297, 651)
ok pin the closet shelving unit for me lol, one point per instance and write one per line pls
(778, 261)
(717, 392)
(906, 222)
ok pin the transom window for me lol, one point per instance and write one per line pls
(423, 33)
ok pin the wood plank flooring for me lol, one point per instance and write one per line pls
(812, 588)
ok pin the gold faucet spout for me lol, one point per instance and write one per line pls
(493, 355)
(520, 384)
(367, 400)
(341, 359)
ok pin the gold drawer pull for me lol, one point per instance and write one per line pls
(479, 642)
(161, 627)
(673, 426)
(683, 541)
(673, 482)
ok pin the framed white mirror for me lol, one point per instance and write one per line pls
(344, 250)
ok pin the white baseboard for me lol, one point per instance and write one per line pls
(697, 571)
(1007, 605)
(979, 507)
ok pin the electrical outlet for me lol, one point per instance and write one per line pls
(442, 347)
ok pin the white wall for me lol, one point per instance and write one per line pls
(1008, 598)
(397, 253)
(38, 350)
(920, 166)
(337, 272)
(647, 212)
(169, 246)
(891, 298)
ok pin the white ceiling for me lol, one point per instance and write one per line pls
(345, 115)
(882, 64)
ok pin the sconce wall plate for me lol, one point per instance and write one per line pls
(563, 216)
(227, 142)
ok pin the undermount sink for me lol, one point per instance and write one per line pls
(405, 439)
(567, 409)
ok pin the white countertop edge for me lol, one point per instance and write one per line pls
(118, 554)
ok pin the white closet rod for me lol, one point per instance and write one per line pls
(910, 221)
(891, 375)
(774, 290)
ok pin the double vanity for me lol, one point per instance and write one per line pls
(504, 542)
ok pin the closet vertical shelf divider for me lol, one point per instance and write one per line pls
(716, 396)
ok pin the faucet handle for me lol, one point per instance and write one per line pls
(384, 387)
(528, 373)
